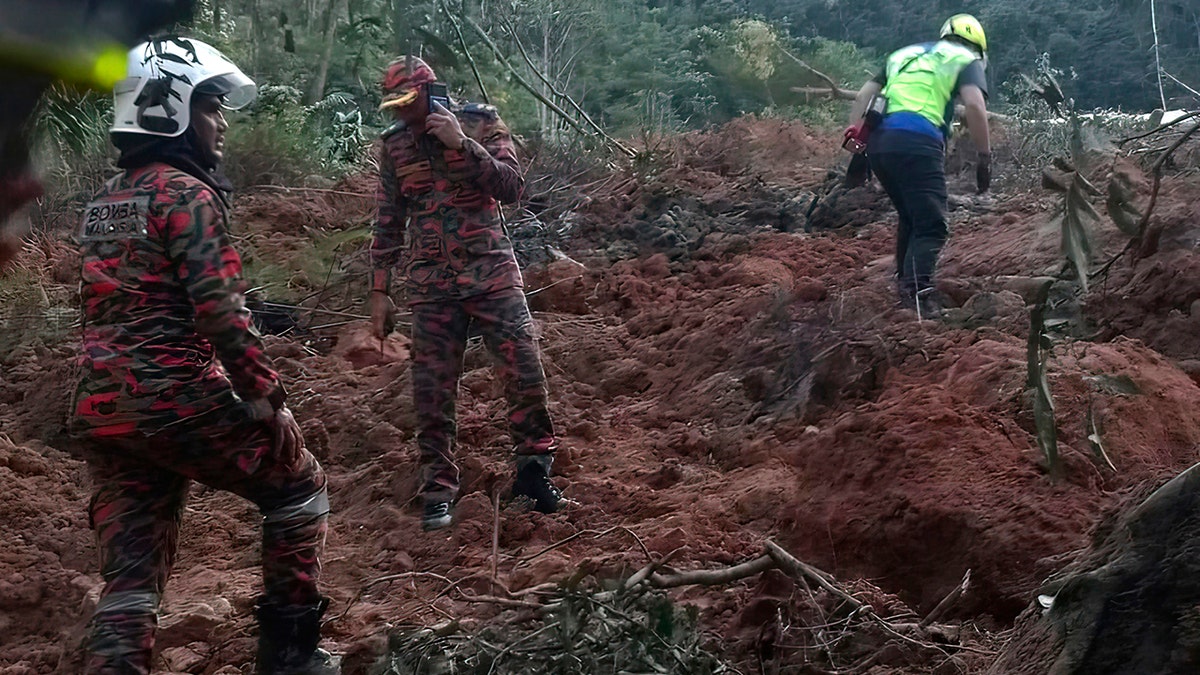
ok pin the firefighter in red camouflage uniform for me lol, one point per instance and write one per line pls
(442, 177)
(175, 383)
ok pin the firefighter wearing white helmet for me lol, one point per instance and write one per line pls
(175, 384)
(912, 100)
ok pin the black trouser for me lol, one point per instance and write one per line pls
(916, 183)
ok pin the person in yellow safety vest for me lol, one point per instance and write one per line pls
(921, 84)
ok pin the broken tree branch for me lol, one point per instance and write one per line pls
(834, 89)
(947, 601)
(836, 93)
(552, 88)
(805, 572)
(714, 577)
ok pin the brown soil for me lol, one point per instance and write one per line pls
(718, 377)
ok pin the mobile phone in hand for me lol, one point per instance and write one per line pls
(437, 94)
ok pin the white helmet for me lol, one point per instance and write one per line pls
(155, 98)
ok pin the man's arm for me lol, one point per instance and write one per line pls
(489, 160)
(975, 115)
(211, 271)
(871, 88)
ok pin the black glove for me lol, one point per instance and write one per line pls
(859, 172)
(983, 172)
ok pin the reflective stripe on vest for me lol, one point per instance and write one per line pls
(921, 79)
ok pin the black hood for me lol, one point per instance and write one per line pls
(138, 150)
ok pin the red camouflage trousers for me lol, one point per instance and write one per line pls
(141, 486)
(439, 341)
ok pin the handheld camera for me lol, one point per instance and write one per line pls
(436, 91)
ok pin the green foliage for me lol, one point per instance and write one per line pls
(283, 141)
(585, 633)
(72, 151)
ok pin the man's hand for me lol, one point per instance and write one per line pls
(383, 314)
(289, 443)
(983, 172)
(444, 124)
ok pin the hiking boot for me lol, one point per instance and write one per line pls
(533, 482)
(436, 516)
(288, 637)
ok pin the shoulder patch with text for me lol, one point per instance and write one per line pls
(113, 220)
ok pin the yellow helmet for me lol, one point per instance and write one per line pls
(967, 28)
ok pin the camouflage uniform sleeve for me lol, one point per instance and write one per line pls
(491, 157)
(211, 272)
(391, 221)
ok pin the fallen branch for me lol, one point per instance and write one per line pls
(947, 601)
(803, 571)
(504, 602)
(837, 93)
(532, 293)
(646, 572)
(834, 90)
(714, 577)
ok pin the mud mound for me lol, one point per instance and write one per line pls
(1153, 297)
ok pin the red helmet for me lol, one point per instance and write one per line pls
(403, 80)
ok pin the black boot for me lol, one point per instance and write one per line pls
(533, 481)
(288, 637)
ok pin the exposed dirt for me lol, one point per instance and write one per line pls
(718, 376)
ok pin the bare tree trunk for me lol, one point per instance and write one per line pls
(256, 29)
(317, 89)
(216, 17)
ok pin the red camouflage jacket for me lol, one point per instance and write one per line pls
(447, 203)
(166, 336)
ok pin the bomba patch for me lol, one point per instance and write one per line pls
(112, 220)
